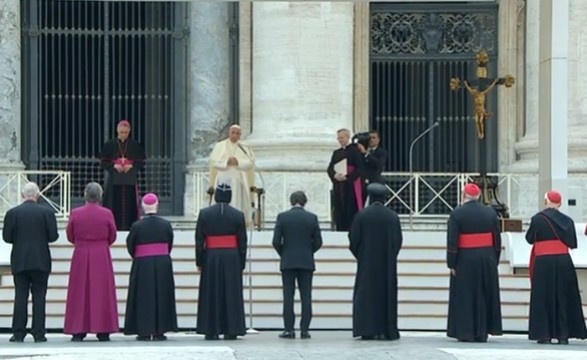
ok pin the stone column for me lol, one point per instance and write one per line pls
(507, 64)
(302, 82)
(208, 88)
(553, 98)
(10, 85)
(362, 51)
(577, 100)
(527, 148)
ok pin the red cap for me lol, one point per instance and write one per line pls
(472, 190)
(150, 199)
(124, 123)
(554, 197)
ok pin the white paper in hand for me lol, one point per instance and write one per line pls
(341, 167)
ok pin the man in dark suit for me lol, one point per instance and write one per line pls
(30, 228)
(296, 238)
(374, 158)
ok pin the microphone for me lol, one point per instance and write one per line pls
(254, 167)
(411, 165)
(434, 126)
(251, 329)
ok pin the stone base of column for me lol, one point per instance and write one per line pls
(524, 192)
(294, 153)
(278, 187)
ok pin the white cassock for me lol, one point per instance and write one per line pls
(240, 177)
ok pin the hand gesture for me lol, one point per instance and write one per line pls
(361, 148)
(127, 168)
(339, 177)
(232, 161)
(118, 168)
(453, 272)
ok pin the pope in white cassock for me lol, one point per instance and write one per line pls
(233, 161)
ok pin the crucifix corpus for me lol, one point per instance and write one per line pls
(479, 88)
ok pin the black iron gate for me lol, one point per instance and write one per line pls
(89, 64)
(415, 50)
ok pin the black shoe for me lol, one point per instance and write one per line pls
(305, 335)
(159, 337)
(40, 339)
(367, 337)
(563, 341)
(212, 337)
(229, 337)
(103, 337)
(78, 337)
(143, 338)
(288, 335)
(15, 339)
(544, 341)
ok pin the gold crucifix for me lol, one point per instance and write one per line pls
(479, 88)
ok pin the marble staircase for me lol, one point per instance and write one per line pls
(423, 284)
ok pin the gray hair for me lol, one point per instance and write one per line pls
(30, 190)
(344, 131)
(93, 192)
(298, 198)
(467, 197)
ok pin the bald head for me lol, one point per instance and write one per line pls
(30, 191)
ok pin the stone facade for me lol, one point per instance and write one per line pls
(304, 72)
(10, 85)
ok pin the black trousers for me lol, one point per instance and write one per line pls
(304, 279)
(36, 282)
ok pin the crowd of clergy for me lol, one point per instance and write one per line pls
(375, 240)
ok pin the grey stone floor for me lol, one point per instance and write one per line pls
(265, 345)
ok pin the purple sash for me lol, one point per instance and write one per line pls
(358, 188)
(155, 249)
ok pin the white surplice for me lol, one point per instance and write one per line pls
(240, 177)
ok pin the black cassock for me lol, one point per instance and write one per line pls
(221, 247)
(473, 251)
(150, 306)
(555, 301)
(347, 196)
(121, 190)
(375, 241)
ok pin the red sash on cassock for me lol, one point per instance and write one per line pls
(221, 242)
(358, 188)
(475, 240)
(546, 247)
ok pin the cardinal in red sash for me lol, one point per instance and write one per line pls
(555, 302)
(473, 250)
(221, 248)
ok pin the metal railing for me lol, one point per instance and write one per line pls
(419, 195)
(55, 187)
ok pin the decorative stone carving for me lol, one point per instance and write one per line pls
(445, 32)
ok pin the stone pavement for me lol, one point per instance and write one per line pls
(329, 345)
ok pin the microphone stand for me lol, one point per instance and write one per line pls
(411, 164)
(259, 192)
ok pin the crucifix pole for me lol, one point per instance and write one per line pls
(479, 88)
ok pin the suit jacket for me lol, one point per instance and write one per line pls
(374, 163)
(296, 238)
(30, 227)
